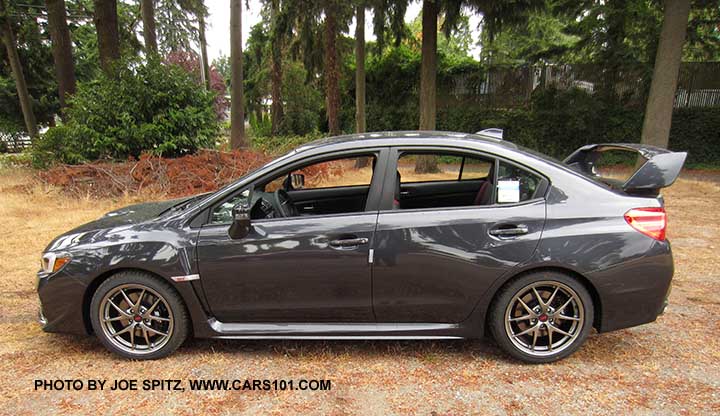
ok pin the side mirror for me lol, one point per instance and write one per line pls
(240, 226)
(297, 180)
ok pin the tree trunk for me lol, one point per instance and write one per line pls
(61, 49)
(276, 74)
(106, 25)
(203, 52)
(428, 74)
(360, 79)
(148, 18)
(332, 75)
(8, 38)
(237, 106)
(658, 113)
(360, 70)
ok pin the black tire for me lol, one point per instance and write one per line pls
(170, 302)
(501, 309)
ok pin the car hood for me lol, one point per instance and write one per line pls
(120, 218)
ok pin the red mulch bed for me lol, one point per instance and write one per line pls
(205, 171)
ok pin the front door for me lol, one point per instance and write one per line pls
(312, 267)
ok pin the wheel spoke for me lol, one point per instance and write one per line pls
(569, 318)
(556, 329)
(145, 334)
(117, 318)
(527, 308)
(139, 301)
(152, 308)
(158, 318)
(127, 299)
(132, 338)
(560, 309)
(540, 299)
(122, 312)
(535, 336)
(550, 331)
(154, 331)
(549, 302)
(521, 318)
(527, 331)
(122, 331)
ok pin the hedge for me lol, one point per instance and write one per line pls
(560, 125)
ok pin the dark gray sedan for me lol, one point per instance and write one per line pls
(396, 235)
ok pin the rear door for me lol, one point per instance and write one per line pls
(433, 264)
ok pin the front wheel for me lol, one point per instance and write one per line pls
(138, 316)
(541, 317)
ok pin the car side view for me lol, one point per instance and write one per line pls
(391, 235)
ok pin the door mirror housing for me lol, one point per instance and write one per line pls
(297, 181)
(241, 225)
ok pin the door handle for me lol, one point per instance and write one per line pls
(509, 231)
(349, 242)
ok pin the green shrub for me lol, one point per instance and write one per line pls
(260, 126)
(697, 131)
(147, 107)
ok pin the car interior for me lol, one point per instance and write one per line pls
(423, 180)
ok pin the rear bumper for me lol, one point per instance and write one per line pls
(634, 292)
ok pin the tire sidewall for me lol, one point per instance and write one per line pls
(180, 326)
(506, 295)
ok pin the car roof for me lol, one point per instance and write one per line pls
(395, 138)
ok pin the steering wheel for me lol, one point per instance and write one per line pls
(284, 204)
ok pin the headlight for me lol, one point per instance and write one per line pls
(53, 262)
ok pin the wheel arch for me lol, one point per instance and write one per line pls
(597, 305)
(97, 281)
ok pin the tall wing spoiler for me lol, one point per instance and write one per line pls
(660, 169)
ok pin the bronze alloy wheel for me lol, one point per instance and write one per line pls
(136, 319)
(139, 315)
(541, 317)
(544, 318)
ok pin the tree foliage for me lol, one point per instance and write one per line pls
(155, 106)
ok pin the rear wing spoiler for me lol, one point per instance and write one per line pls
(659, 170)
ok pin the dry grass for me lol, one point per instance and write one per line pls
(666, 367)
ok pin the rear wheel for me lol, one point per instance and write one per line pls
(541, 317)
(138, 316)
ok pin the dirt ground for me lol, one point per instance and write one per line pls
(667, 367)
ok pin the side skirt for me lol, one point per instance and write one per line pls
(335, 331)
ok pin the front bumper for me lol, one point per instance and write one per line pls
(42, 320)
(61, 303)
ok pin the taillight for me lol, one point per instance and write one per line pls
(649, 221)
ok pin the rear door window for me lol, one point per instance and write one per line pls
(515, 184)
